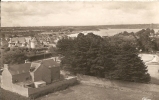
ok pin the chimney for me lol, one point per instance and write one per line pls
(157, 53)
(55, 58)
(2, 57)
(5, 66)
(10, 39)
(26, 61)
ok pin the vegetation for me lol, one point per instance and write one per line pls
(18, 55)
(113, 58)
(145, 42)
(32, 31)
(142, 40)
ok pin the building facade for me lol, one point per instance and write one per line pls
(29, 42)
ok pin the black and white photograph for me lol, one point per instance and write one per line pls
(79, 50)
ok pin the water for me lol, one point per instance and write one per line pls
(108, 32)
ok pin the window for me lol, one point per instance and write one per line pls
(27, 78)
(15, 81)
(32, 69)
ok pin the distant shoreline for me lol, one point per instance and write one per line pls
(134, 26)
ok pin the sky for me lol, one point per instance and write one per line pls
(78, 13)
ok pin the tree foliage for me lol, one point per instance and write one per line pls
(145, 42)
(17, 55)
(113, 58)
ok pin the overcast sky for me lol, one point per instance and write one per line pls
(78, 13)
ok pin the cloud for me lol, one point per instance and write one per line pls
(78, 13)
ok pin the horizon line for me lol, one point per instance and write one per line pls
(82, 25)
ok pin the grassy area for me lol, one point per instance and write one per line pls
(85, 92)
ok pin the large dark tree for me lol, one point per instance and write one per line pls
(113, 58)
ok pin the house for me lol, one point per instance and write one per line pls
(30, 42)
(38, 71)
(32, 79)
(30, 74)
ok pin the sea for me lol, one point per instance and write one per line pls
(108, 32)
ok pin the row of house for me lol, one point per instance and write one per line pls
(41, 39)
(154, 34)
(30, 42)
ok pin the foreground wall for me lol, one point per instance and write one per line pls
(16, 89)
(36, 92)
(56, 86)
(20, 90)
(153, 70)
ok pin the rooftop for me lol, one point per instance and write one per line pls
(27, 67)
(19, 68)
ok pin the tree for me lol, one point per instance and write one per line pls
(52, 50)
(145, 42)
(113, 58)
(14, 57)
(129, 67)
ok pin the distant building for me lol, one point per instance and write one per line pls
(50, 38)
(29, 42)
(157, 34)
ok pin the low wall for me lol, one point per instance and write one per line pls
(90, 80)
(36, 92)
(20, 90)
(0, 78)
(153, 70)
(16, 89)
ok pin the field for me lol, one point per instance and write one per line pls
(93, 88)
(86, 92)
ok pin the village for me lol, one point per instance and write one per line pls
(29, 79)
(79, 51)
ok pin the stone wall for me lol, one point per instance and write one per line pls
(56, 86)
(20, 90)
(36, 92)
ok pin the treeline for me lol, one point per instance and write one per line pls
(147, 43)
(143, 40)
(131, 26)
(18, 55)
(111, 57)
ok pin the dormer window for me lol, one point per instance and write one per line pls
(15, 81)
(27, 78)
(23, 71)
(32, 69)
